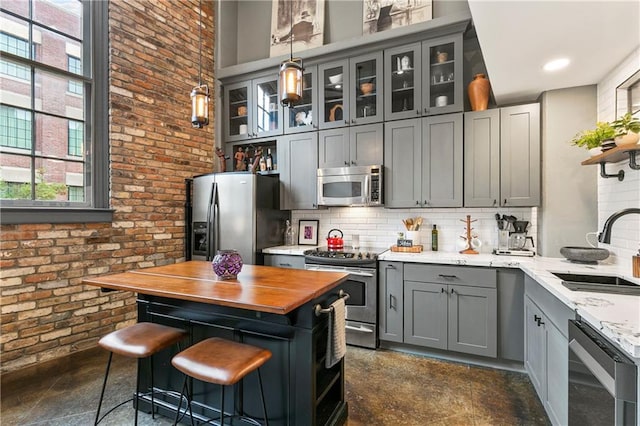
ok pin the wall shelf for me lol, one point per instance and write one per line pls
(614, 155)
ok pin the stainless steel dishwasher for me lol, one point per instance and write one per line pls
(602, 380)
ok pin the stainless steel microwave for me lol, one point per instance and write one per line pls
(350, 186)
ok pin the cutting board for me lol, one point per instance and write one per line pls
(413, 249)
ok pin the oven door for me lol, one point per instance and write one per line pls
(602, 380)
(344, 190)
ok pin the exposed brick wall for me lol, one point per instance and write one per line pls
(46, 311)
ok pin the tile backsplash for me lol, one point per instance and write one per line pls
(379, 227)
(612, 194)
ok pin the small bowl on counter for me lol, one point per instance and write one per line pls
(588, 255)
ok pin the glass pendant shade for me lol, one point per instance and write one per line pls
(290, 81)
(200, 106)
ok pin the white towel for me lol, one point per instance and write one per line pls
(337, 339)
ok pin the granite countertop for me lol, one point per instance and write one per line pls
(615, 316)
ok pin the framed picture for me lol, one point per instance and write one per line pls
(305, 32)
(382, 15)
(308, 233)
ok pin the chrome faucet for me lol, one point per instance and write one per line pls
(605, 235)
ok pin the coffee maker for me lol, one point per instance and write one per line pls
(516, 241)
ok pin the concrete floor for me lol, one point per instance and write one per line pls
(383, 388)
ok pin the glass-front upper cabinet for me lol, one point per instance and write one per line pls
(365, 74)
(303, 116)
(252, 109)
(267, 111)
(442, 91)
(333, 94)
(237, 103)
(403, 81)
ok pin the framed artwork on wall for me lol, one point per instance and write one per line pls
(382, 15)
(308, 232)
(306, 31)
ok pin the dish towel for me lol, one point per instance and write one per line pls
(336, 340)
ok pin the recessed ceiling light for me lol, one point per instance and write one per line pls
(556, 64)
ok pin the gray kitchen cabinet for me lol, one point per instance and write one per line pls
(252, 109)
(423, 161)
(298, 164)
(510, 314)
(520, 155)
(453, 308)
(502, 157)
(352, 146)
(424, 78)
(284, 261)
(391, 304)
(546, 349)
(351, 91)
(482, 158)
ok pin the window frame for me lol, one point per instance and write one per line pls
(95, 22)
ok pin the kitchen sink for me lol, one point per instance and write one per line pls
(598, 283)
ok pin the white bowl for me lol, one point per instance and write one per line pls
(335, 79)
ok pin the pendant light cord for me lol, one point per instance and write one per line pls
(200, 47)
(291, 26)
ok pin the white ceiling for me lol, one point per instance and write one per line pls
(518, 37)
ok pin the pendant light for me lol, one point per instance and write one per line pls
(200, 93)
(291, 72)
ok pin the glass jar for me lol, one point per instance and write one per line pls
(289, 235)
(227, 264)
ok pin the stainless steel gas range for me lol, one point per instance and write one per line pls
(361, 284)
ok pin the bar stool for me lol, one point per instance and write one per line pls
(140, 340)
(222, 362)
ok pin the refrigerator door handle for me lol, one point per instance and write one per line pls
(210, 221)
(216, 222)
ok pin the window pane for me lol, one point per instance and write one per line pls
(15, 84)
(15, 128)
(75, 66)
(15, 70)
(19, 7)
(63, 15)
(15, 177)
(53, 49)
(75, 193)
(14, 38)
(54, 137)
(52, 97)
(52, 176)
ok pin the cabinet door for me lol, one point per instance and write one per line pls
(473, 320)
(391, 301)
(298, 164)
(284, 261)
(333, 82)
(366, 144)
(520, 155)
(402, 82)
(425, 314)
(442, 62)
(535, 351)
(237, 100)
(266, 109)
(442, 161)
(365, 74)
(303, 116)
(333, 148)
(557, 400)
(482, 158)
(402, 162)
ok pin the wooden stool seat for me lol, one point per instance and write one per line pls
(142, 339)
(220, 361)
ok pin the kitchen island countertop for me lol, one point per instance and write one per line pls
(614, 315)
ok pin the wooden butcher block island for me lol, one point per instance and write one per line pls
(265, 306)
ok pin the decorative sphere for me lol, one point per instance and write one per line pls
(227, 264)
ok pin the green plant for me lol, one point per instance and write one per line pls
(625, 124)
(593, 138)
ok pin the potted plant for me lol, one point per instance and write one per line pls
(593, 139)
(627, 128)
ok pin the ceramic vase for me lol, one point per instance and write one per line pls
(629, 138)
(227, 264)
(478, 91)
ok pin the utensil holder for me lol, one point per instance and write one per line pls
(414, 236)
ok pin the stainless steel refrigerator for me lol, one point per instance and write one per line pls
(234, 211)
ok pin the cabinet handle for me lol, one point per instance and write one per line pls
(353, 163)
(285, 264)
(417, 203)
(390, 267)
(505, 202)
(417, 112)
(353, 120)
(426, 110)
(391, 306)
(346, 163)
(495, 202)
(442, 290)
(426, 203)
(448, 277)
(346, 121)
(453, 291)
(540, 323)
(536, 318)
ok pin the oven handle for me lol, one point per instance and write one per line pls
(594, 366)
(360, 329)
(357, 273)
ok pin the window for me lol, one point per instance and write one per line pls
(75, 66)
(54, 112)
(15, 128)
(75, 138)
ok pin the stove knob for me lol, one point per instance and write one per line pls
(359, 255)
(368, 255)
